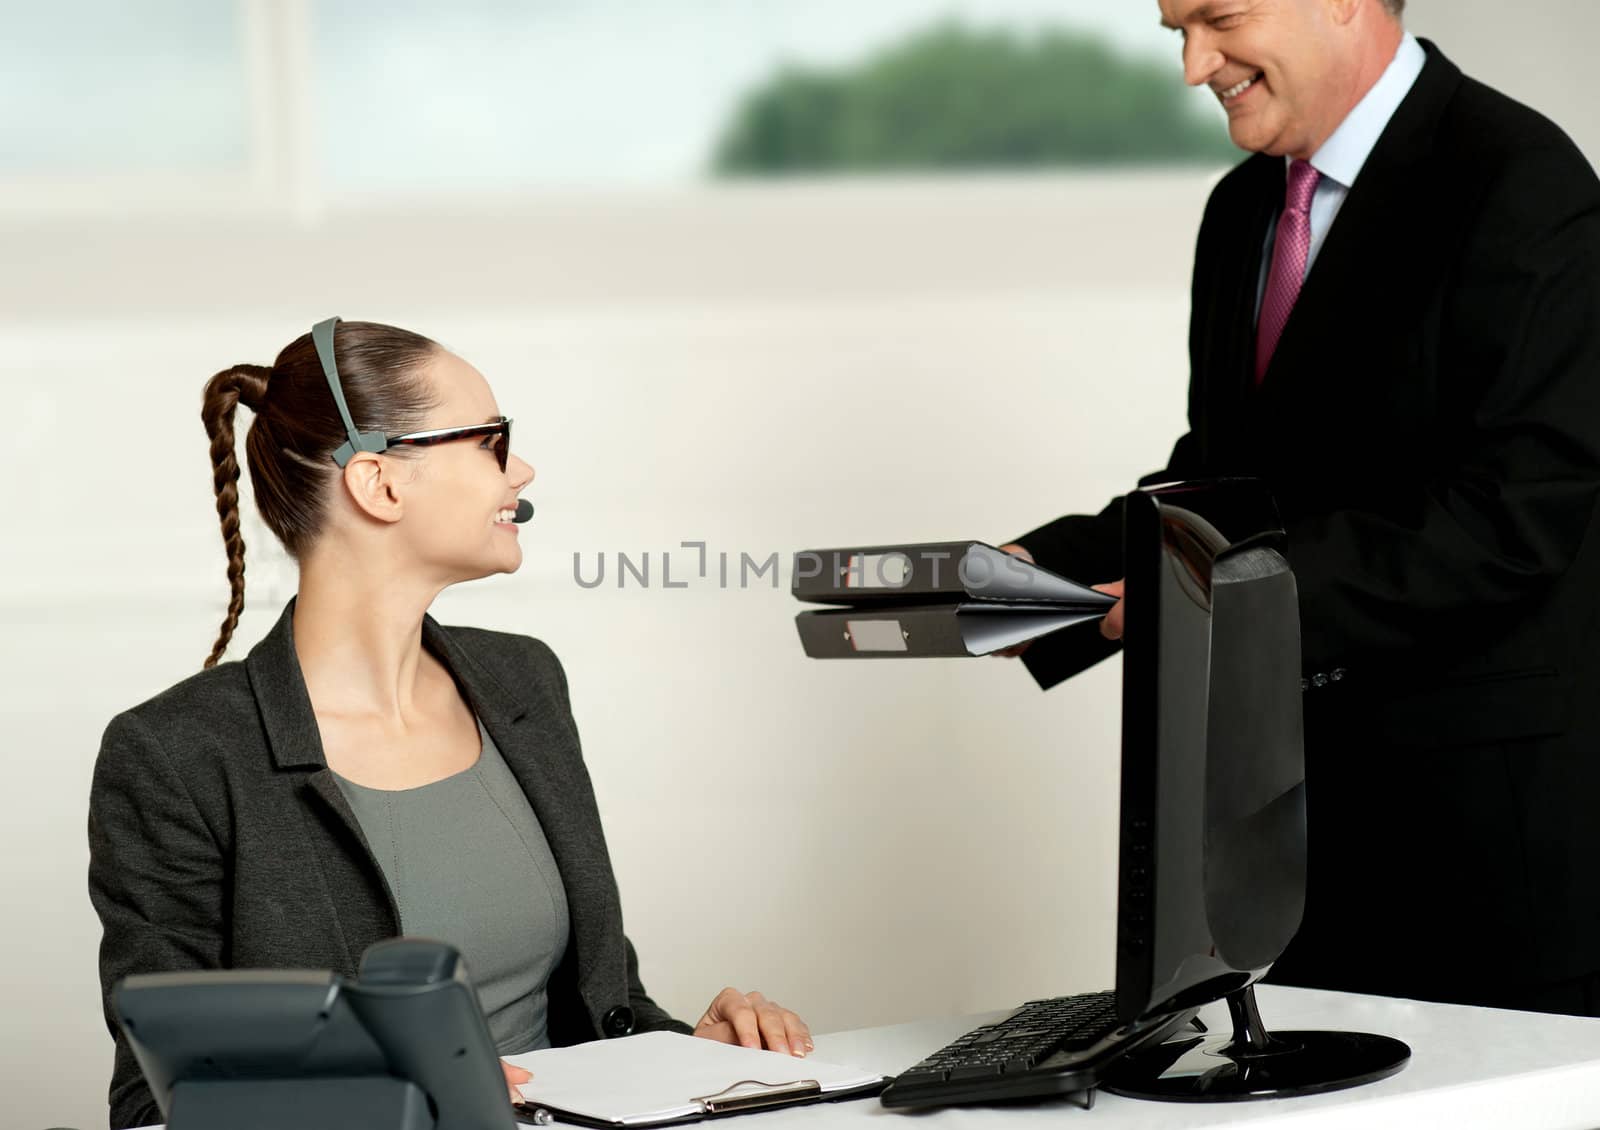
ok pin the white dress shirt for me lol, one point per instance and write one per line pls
(1342, 156)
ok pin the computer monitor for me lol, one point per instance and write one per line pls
(1213, 817)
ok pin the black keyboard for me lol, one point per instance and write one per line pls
(1055, 1046)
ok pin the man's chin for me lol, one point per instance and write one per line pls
(1246, 137)
(1257, 141)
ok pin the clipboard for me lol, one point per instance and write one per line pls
(669, 1079)
(742, 1097)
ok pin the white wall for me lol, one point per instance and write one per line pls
(1538, 52)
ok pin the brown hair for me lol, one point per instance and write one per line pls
(296, 428)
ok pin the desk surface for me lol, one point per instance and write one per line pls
(1470, 1067)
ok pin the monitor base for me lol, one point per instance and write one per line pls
(1255, 1064)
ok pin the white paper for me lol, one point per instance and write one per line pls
(659, 1075)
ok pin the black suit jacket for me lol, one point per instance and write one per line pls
(218, 837)
(1430, 426)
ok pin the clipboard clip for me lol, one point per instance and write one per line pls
(741, 1096)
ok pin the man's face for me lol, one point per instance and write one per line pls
(1273, 64)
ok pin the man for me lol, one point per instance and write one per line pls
(1396, 324)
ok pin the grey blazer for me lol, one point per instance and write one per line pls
(218, 837)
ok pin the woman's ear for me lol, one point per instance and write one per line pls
(371, 485)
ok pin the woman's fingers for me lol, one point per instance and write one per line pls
(733, 1009)
(752, 1021)
(514, 1077)
(721, 1007)
(799, 1033)
(774, 1030)
(745, 1026)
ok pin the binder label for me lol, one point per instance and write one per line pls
(876, 635)
(878, 571)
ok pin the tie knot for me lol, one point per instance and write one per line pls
(1302, 186)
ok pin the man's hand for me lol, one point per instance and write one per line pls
(751, 1020)
(1016, 551)
(1111, 626)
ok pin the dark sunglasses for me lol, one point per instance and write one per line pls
(499, 427)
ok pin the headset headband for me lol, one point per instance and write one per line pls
(322, 337)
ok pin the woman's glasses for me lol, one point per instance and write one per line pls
(499, 427)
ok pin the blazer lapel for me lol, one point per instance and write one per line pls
(331, 826)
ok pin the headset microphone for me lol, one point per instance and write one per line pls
(524, 511)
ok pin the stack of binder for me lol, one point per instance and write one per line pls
(936, 599)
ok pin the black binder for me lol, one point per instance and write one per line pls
(933, 599)
(930, 631)
(933, 572)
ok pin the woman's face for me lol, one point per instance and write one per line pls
(457, 499)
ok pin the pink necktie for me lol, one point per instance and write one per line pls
(1289, 255)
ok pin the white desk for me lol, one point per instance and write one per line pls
(1470, 1067)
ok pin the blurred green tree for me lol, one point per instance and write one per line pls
(952, 97)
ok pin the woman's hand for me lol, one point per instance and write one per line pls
(514, 1076)
(752, 1021)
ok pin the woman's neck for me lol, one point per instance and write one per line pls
(358, 636)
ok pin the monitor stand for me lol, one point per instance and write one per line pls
(1255, 1064)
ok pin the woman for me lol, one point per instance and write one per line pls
(366, 772)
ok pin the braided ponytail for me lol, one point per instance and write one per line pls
(223, 393)
(292, 438)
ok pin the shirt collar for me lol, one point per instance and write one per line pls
(1342, 156)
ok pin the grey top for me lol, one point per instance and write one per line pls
(469, 864)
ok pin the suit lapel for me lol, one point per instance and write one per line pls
(1350, 270)
(1264, 202)
(1223, 332)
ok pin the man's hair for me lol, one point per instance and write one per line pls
(1396, 7)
